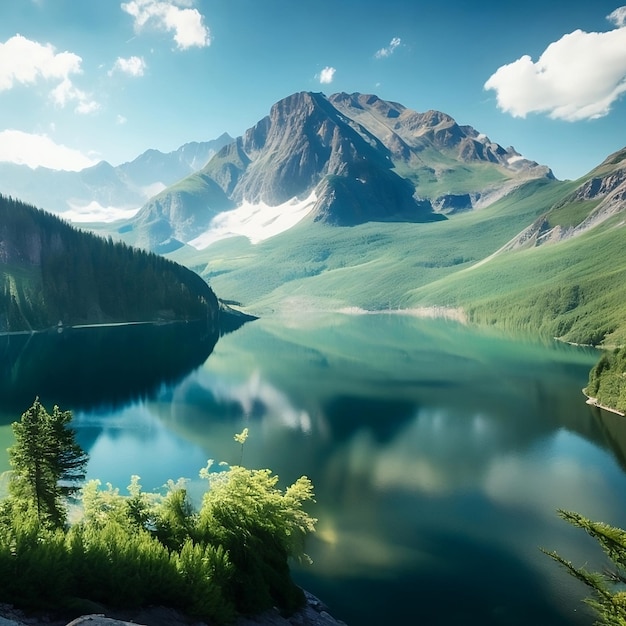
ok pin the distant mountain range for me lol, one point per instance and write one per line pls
(350, 202)
(104, 189)
(341, 160)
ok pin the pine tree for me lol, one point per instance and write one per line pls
(47, 463)
(608, 596)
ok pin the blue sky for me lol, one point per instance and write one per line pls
(85, 80)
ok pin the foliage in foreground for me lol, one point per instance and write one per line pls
(607, 380)
(47, 463)
(229, 556)
(608, 597)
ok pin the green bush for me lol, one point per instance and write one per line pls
(128, 551)
(260, 527)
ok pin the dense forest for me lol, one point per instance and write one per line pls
(51, 272)
(607, 380)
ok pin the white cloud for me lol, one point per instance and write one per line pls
(618, 17)
(86, 106)
(66, 92)
(175, 16)
(95, 212)
(390, 49)
(120, 119)
(578, 77)
(39, 150)
(326, 75)
(133, 66)
(26, 62)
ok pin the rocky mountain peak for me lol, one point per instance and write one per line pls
(302, 140)
(354, 157)
(406, 133)
(385, 108)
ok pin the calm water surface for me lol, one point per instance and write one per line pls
(439, 454)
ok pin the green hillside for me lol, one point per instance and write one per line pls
(51, 272)
(574, 289)
(373, 265)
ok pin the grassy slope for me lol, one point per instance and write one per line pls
(374, 266)
(451, 177)
(575, 289)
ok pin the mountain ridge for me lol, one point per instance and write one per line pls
(124, 187)
(335, 148)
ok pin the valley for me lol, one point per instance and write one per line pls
(352, 201)
(338, 221)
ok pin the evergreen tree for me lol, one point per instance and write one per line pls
(47, 463)
(608, 595)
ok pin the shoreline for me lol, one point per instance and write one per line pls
(430, 312)
(594, 402)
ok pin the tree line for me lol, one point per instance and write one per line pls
(607, 380)
(51, 272)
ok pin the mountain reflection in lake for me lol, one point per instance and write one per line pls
(439, 456)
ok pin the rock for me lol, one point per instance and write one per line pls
(98, 620)
(314, 613)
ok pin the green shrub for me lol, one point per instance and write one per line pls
(260, 527)
(607, 380)
(139, 549)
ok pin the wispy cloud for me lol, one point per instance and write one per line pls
(133, 66)
(39, 150)
(578, 77)
(618, 17)
(26, 62)
(327, 75)
(95, 212)
(175, 16)
(390, 49)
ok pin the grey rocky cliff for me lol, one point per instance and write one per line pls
(604, 190)
(407, 133)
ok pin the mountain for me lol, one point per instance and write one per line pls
(543, 258)
(105, 190)
(600, 196)
(341, 160)
(51, 273)
(154, 166)
(431, 149)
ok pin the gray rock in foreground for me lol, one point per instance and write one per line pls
(315, 613)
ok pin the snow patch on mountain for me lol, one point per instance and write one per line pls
(257, 221)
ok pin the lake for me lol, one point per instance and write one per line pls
(439, 454)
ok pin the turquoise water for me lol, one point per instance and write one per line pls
(439, 454)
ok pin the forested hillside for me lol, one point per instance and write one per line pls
(51, 272)
(607, 380)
